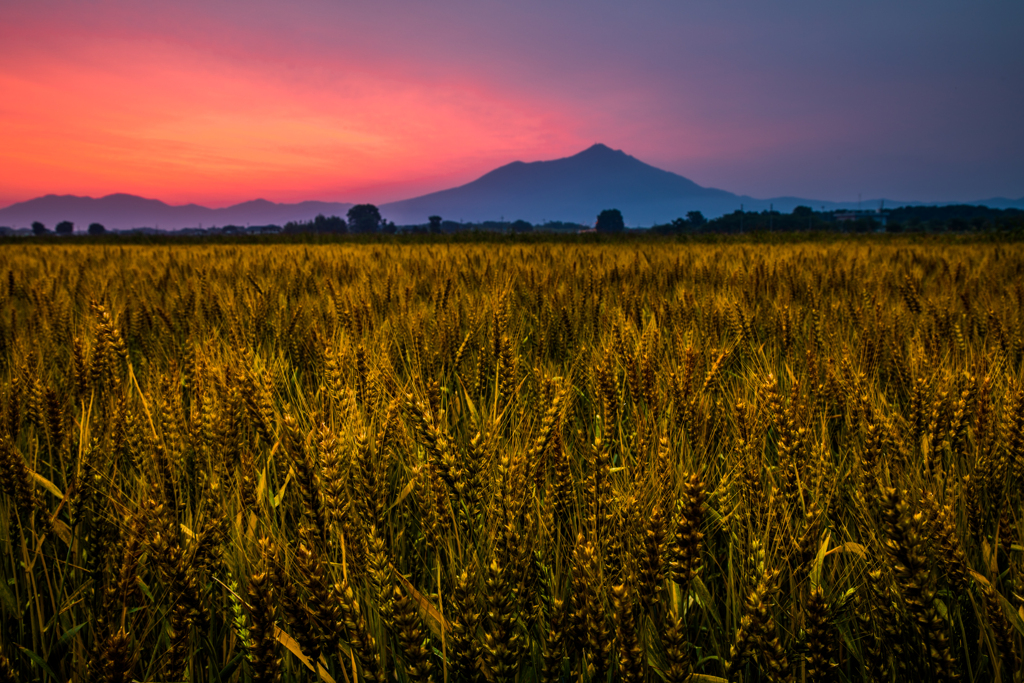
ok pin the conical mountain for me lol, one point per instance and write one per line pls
(575, 188)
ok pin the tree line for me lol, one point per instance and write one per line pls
(66, 228)
(360, 219)
(367, 219)
(909, 219)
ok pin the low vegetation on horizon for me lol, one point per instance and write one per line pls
(365, 220)
(633, 462)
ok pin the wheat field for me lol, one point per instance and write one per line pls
(512, 463)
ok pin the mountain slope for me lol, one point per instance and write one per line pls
(575, 188)
(125, 211)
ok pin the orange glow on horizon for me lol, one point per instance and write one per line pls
(174, 124)
(221, 102)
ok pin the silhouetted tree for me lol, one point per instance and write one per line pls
(97, 229)
(802, 213)
(435, 224)
(522, 226)
(364, 218)
(695, 218)
(388, 227)
(329, 224)
(38, 228)
(610, 220)
(65, 228)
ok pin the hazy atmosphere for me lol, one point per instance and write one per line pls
(218, 103)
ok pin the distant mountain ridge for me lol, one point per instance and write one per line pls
(125, 211)
(572, 189)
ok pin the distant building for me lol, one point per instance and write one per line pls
(880, 215)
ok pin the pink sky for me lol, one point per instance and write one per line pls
(222, 102)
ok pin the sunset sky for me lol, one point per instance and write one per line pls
(217, 102)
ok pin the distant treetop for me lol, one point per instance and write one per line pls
(610, 220)
(364, 218)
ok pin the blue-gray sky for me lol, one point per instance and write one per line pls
(217, 102)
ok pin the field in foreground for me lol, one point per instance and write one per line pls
(512, 463)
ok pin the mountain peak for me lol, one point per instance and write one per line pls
(574, 188)
(601, 149)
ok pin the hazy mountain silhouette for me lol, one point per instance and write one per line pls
(999, 203)
(125, 211)
(577, 188)
(574, 189)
